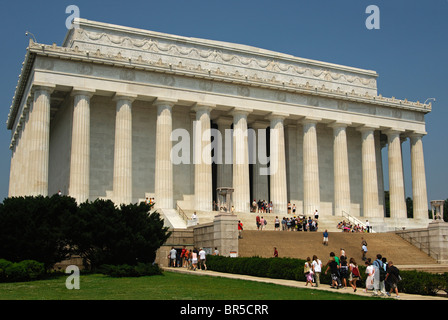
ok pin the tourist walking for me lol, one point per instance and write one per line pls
(275, 252)
(317, 269)
(392, 278)
(277, 223)
(380, 275)
(240, 229)
(343, 270)
(355, 275)
(202, 258)
(172, 256)
(194, 259)
(308, 270)
(364, 249)
(333, 266)
(325, 238)
(370, 271)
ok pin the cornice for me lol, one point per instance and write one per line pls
(160, 66)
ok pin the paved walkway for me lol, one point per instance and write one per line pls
(298, 284)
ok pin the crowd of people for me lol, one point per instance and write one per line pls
(299, 223)
(381, 276)
(190, 259)
(347, 226)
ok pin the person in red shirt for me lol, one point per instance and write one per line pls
(240, 229)
(275, 252)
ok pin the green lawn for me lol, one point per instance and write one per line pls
(169, 286)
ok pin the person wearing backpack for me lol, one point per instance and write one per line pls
(380, 275)
(355, 275)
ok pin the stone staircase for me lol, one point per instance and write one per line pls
(306, 244)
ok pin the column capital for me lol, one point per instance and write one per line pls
(39, 86)
(240, 112)
(416, 135)
(165, 102)
(309, 120)
(206, 107)
(366, 128)
(259, 125)
(339, 124)
(393, 132)
(82, 91)
(277, 116)
(124, 96)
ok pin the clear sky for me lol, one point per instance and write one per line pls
(409, 51)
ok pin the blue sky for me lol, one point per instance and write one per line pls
(409, 51)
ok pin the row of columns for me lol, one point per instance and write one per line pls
(36, 151)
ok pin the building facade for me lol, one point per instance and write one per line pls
(128, 114)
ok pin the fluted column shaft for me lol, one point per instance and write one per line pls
(39, 142)
(369, 175)
(341, 170)
(163, 186)
(79, 186)
(122, 183)
(260, 168)
(419, 192)
(396, 181)
(241, 193)
(203, 185)
(311, 189)
(224, 169)
(279, 195)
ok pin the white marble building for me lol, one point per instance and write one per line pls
(93, 118)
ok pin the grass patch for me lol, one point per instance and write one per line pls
(169, 286)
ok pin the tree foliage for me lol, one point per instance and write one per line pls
(49, 229)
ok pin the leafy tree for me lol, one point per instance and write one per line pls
(102, 233)
(31, 228)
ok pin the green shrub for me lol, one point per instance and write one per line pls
(26, 270)
(124, 270)
(4, 264)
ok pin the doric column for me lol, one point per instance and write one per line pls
(311, 189)
(396, 181)
(203, 184)
(260, 177)
(419, 193)
(379, 145)
(341, 169)
(277, 167)
(39, 152)
(79, 186)
(122, 183)
(163, 187)
(224, 169)
(369, 174)
(241, 183)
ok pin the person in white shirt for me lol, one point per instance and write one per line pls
(317, 269)
(173, 254)
(202, 259)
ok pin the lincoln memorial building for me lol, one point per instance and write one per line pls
(127, 114)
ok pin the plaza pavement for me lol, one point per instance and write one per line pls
(301, 284)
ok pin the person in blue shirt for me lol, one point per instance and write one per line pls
(325, 239)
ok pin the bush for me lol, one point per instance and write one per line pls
(50, 229)
(26, 270)
(124, 270)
